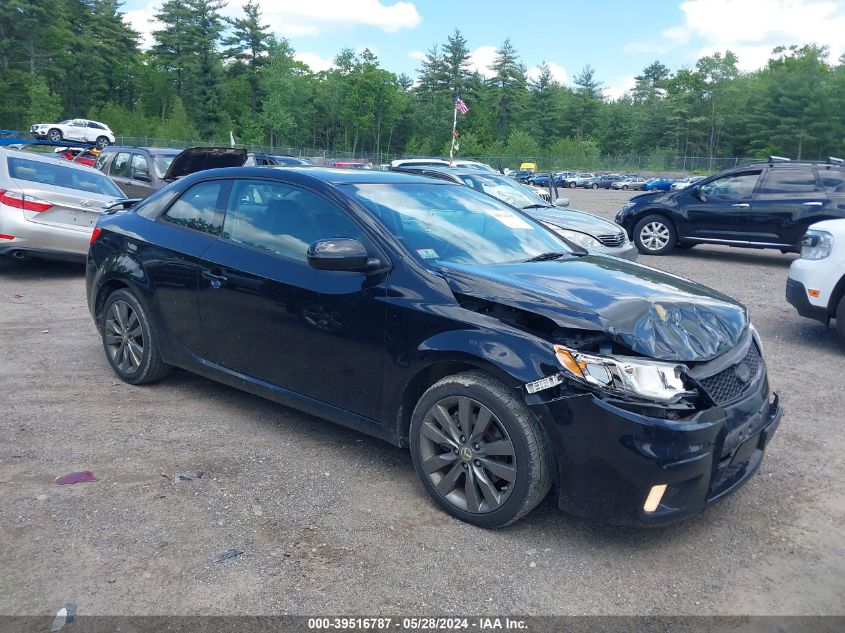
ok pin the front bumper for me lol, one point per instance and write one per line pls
(796, 295)
(626, 251)
(609, 458)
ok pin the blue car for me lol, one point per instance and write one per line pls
(658, 184)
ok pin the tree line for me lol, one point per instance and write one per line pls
(205, 75)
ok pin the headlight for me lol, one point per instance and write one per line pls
(816, 244)
(648, 379)
(581, 239)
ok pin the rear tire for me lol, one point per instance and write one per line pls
(102, 142)
(479, 451)
(840, 320)
(655, 235)
(595, 186)
(130, 340)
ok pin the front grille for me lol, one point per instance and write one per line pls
(612, 239)
(726, 386)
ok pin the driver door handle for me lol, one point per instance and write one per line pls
(813, 204)
(216, 280)
(741, 205)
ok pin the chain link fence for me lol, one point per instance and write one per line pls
(626, 163)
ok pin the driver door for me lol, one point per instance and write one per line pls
(270, 316)
(720, 209)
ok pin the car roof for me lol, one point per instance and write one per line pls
(151, 150)
(306, 174)
(46, 158)
(452, 171)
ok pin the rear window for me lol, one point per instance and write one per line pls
(57, 175)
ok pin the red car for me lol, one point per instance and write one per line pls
(87, 157)
(350, 164)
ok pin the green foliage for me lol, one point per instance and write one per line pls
(43, 105)
(206, 75)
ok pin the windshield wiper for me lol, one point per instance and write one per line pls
(535, 206)
(544, 257)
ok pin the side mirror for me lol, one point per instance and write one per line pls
(339, 254)
(561, 202)
(697, 193)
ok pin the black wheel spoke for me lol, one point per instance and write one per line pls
(482, 422)
(446, 422)
(491, 495)
(498, 448)
(471, 491)
(464, 412)
(449, 481)
(436, 435)
(439, 462)
(504, 471)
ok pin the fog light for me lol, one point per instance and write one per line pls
(813, 292)
(654, 497)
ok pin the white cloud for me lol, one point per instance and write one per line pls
(298, 18)
(559, 73)
(314, 61)
(481, 59)
(143, 21)
(752, 28)
(619, 86)
(416, 55)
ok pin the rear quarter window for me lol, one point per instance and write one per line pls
(833, 180)
(790, 180)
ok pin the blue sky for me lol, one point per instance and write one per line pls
(617, 38)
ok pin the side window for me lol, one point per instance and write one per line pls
(282, 219)
(101, 161)
(120, 165)
(95, 125)
(833, 180)
(790, 180)
(139, 166)
(199, 208)
(734, 187)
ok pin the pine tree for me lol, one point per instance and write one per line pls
(507, 87)
(248, 46)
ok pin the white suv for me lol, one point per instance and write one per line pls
(816, 283)
(74, 130)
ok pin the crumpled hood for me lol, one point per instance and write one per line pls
(653, 313)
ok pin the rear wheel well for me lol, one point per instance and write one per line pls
(105, 290)
(425, 379)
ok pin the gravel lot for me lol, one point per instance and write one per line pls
(331, 521)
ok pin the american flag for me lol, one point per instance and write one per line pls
(460, 106)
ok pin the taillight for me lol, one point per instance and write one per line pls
(95, 234)
(19, 201)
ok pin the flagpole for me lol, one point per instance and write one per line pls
(454, 128)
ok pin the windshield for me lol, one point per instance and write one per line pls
(502, 188)
(443, 223)
(162, 163)
(59, 176)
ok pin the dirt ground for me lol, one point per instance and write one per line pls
(334, 522)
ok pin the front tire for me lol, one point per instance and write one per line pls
(573, 184)
(625, 187)
(655, 235)
(479, 451)
(840, 320)
(54, 135)
(129, 340)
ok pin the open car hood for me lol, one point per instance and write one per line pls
(650, 312)
(196, 159)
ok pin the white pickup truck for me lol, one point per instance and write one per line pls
(816, 283)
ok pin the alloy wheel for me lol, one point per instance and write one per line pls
(654, 236)
(467, 454)
(124, 337)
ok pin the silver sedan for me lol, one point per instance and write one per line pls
(49, 208)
